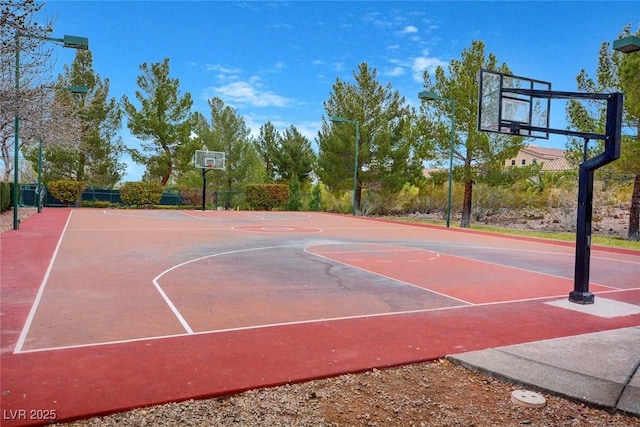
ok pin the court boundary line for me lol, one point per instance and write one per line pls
(385, 276)
(570, 254)
(312, 321)
(36, 303)
(533, 271)
(406, 246)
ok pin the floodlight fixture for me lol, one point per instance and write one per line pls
(627, 44)
(78, 89)
(76, 42)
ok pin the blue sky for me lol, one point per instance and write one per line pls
(277, 61)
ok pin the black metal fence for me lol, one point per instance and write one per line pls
(29, 197)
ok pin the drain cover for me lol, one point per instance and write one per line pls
(528, 399)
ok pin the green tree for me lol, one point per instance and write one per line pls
(229, 133)
(474, 152)
(386, 155)
(267, 146)
(162, 122)
(293, 158)
(615, 72)
(84, 146)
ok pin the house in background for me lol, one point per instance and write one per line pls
(551, 159)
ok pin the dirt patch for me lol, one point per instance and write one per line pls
(426, 394)
(607, 221)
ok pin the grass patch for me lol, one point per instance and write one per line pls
(600, 240)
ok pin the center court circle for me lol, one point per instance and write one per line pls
(282, 229)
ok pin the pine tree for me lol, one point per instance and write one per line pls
(615, 72)
(162, 122)
(474, 152)
(387, 155)
(82, 140)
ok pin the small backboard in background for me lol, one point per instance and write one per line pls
(209, 159)
(502, 111)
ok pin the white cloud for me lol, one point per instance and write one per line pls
(420, 64)
(249, 93)
(280, 65)
(222, 69)
(409, 29)
(395, 71)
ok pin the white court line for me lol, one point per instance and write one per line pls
(499, 249)
(36, 303)
(166, 298)
(190, 332)
(384, 276)
(305, 322)
(524, 269)
(528, 271)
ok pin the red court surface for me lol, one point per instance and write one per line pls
(107, 310)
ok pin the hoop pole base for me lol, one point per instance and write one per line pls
(581, 297)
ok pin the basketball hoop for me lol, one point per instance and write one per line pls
(208, 161)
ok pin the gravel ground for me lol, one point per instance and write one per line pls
(426, 394)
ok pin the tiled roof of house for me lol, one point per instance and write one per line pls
(545, 153)
(556, 165)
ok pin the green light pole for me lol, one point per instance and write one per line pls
(430, 96)
(355, 162)
(73, 42)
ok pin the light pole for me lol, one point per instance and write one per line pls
(355, 161)
(72, 89)
(430, 96)
(73, 42)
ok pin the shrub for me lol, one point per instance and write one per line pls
(141, 194)
(66, 191)
(266, 196)
(103, 204)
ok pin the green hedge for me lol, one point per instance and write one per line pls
(266, 196)
(66, 191)
(6, 195)
(141, 194)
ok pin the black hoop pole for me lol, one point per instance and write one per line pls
(612, 138)
(580, 293)
(204, 186)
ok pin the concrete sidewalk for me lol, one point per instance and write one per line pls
(601, 368)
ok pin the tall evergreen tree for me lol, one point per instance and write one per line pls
(162, 122)
(615, 72)
(386, 155)
(230, 134)
(294, 157)
(267, 146)
(84, 146)
(473, 151)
